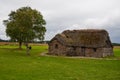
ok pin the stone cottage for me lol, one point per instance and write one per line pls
(87, 43)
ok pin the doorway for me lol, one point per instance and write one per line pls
(83, 51)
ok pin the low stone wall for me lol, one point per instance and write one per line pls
(55, 48)
(107, 52)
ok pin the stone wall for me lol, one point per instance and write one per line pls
(55, 48)
(107, 52)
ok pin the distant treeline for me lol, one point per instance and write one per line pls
(42, 42)
(46, 42)
(1, 40)
(116, 44)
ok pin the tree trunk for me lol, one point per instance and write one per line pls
(20, 45)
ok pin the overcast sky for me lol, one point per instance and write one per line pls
(62, 15)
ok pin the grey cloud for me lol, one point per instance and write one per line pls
(72, 14)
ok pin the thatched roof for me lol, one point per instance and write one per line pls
(84, 38)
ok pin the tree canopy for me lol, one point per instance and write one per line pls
(25, 24)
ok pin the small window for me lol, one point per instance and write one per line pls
(94, 49)
(83, 49)
(74, 48)
(56, 46)
(67, 37)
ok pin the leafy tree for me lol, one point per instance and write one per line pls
(25, 25)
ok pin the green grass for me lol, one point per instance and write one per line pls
(117, 52)
(15, 65)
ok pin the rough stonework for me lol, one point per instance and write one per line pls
(87, 43)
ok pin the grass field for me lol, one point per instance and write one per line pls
(15, 65)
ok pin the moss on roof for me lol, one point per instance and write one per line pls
(85, 38)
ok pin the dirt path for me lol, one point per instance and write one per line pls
(79, 57)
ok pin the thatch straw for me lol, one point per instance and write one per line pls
(86, 38)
